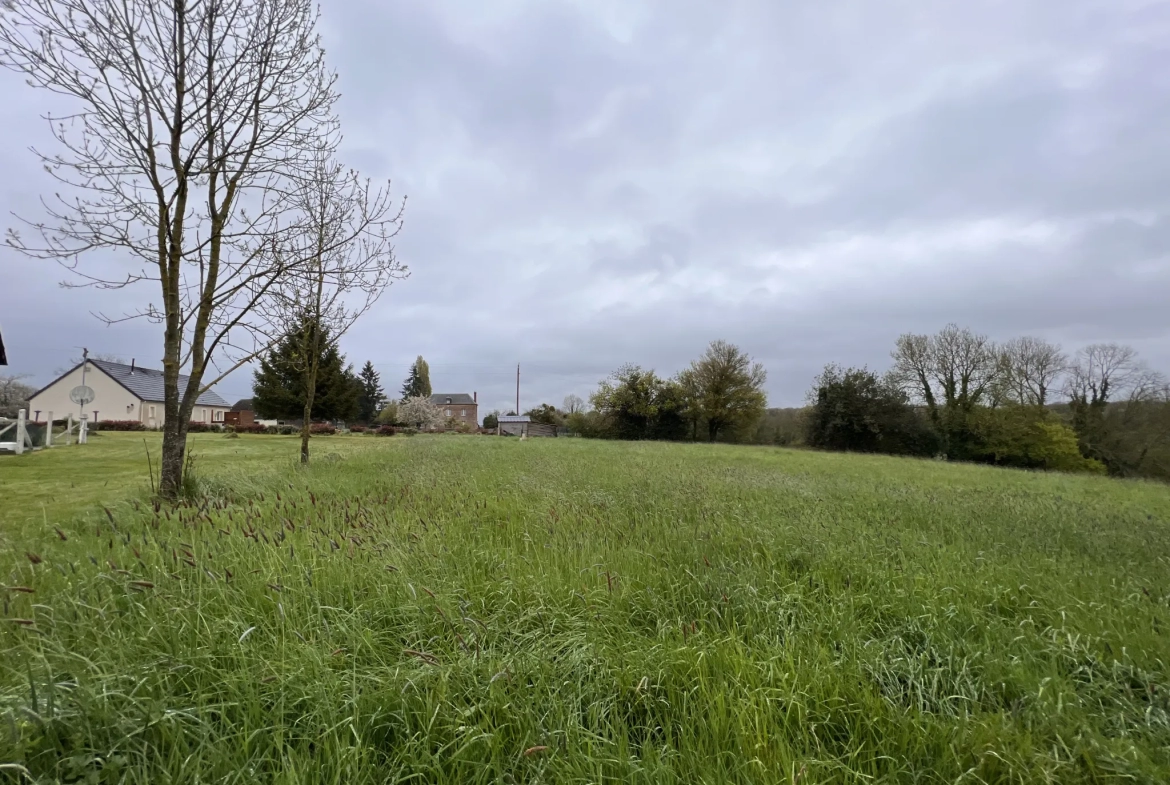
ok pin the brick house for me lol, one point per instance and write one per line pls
(461, 406)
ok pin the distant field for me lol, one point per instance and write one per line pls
(471, 609)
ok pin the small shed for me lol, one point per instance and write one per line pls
(522, 425)
(241, 413)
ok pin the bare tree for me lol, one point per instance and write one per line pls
(194, 123)
(954, 367)
(1108, 388)
(965, 366)
(951, 373)
(1030, 368)
(1127, 426)
(342, 261)
(1101, 371)
(914, 369)
(574, 404)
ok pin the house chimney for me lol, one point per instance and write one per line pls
(132, 365)
(475, 397)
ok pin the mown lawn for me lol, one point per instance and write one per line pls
(474, 609)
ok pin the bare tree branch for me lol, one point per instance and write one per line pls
(196, 123)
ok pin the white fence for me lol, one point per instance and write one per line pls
(18, 435)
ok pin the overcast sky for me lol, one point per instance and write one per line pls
(608, 181)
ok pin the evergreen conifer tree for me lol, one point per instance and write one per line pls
(372, 397)
(279, 384)
(418, 383)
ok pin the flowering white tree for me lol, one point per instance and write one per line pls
(420, 412)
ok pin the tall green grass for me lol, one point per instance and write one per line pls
(470, 609)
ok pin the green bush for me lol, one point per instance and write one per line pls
(1029, 437)
(591, 425)
(1056, 448)
(118, 425)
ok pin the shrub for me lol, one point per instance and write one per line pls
(118, 425)
(409, 431)
(1057, 450)
(1029, 437)
(455, 425)
(254, 427)
(386, 430)
(389, 414)
(855, 410)
(203, 427)
(357, 429)
(591, 425)
(322, 429)
(281, 430)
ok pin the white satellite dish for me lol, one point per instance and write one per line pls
(82, 394)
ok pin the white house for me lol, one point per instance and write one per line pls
(121, 392)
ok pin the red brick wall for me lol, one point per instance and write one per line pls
(246, 417)
(471, 417)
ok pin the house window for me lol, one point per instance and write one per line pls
(152, 412)
(448, 412)
(202, 415)
(217, 416)
(463, 413)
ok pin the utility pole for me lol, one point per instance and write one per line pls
(517, 388)
(84, 368)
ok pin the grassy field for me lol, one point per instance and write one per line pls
(471, 609)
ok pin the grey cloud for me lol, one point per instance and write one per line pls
(599, 182)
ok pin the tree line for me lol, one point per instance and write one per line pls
(955, 394)
(1025, 403)
(719, 396)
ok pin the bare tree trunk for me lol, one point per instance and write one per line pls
(310, 385)
(305, 428)
(174, 449)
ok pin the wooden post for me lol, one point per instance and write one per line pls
(49, 432)
(20, 431)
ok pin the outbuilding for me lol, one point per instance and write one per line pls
(522, 425)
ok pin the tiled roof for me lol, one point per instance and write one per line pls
(514, 418)
(147, 383)
(443, 399)
(242, 405)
